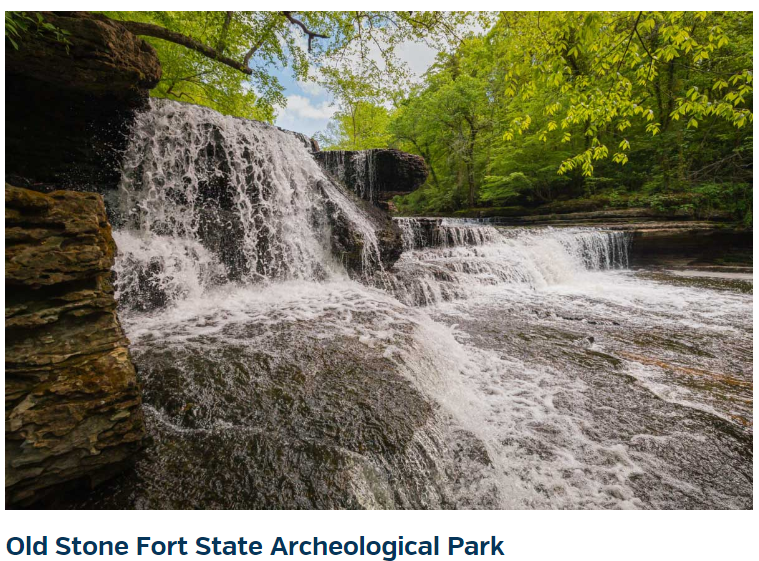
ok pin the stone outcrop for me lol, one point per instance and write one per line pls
(375, 175)
(348, 244)
(690, 244)
(68, 106)
(517, 216)
(72, 403)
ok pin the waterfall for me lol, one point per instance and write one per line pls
(273, 379)
(206, 199)
(447, 259)
(364, 168)
(355, 169)
(419, 233)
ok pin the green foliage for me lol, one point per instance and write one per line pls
(735, 198)
(608, 71)
(361, 125)
(190, 76)
(501, 191)
(613, 108)
(265, 40)
(18, 24)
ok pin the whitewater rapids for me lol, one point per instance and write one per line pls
(490, 368)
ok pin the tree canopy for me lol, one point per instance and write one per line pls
(603, 108)
(225, 60)
(520, 110)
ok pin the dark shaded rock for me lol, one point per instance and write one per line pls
(691, 246)
(72, 403)
(349, 245)
(375, 175)
(68, 108)
(308, 416)
(420, 232)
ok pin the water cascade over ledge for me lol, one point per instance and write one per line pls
(206, 199)
(485, 368)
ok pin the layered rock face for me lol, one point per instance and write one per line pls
(375, 175)
(72, 403)
(687, 244)
(69, 106)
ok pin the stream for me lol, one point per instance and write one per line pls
(491, 367)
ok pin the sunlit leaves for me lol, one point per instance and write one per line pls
(617, 68)
(275, 42)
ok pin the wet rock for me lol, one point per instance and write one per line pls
(375, 175)
(348, 244)
(69, 106)
(251, 193)
(72, 405)
(711, 245)
(287, 414)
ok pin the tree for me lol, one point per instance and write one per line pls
(593, 109)
(602, 71)
(224, 59)
(361, 120)
(362, 126)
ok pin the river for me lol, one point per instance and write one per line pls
(490, 367)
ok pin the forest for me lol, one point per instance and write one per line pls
(577, 111)
(522, 112)
(379, 260)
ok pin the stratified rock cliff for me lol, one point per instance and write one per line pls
(375, 175)
(69, 106)
(72, 403)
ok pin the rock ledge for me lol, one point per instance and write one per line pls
(73, 408)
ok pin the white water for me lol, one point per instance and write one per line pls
(191, 175)
(357, 168)
(459, 256)
(582, 382)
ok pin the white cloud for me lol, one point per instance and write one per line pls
(304, 115)
(312, 89)
(304, 108)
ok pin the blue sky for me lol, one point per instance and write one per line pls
(309, 106)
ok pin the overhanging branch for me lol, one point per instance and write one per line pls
(306, 30)
(217, 54)
(150, 30)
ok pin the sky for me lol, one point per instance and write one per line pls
(310, 106)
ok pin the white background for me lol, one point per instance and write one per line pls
(527, 535)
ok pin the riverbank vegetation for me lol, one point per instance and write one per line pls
(562, 111)
(522, 112)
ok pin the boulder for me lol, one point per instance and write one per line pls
(73, 410)
(70, 105)
(375, 175)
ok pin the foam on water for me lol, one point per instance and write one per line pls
(504, 403)
(196, 177)
(457, 256)
(555, 377)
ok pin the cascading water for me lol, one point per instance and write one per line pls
(426, 233)
(540, 373)
(206, 198)
(444, 259)
(363, 164)
(357, 169)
